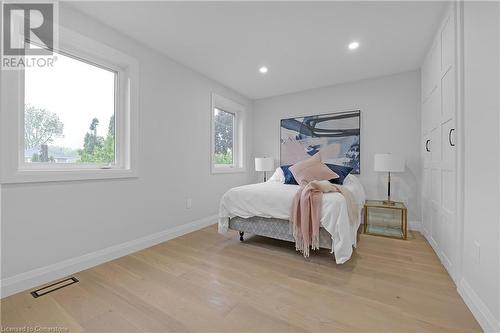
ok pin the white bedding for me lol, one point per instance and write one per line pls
(273, 199)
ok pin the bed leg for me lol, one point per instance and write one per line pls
(241, 236)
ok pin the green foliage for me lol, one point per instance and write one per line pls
(224, 134)
(38, 157)
(224, 158)
(35, 157)
(41, 127)
(111, 126)
(97, 149)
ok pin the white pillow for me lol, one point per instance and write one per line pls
(278, 176)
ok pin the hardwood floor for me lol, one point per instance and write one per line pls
(207, 282)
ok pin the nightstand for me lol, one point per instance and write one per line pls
(388, 220)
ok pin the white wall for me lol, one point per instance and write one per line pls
(481, 244)
(389, 123)
(498, 267)
(46, 223)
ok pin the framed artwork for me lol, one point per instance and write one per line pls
(335, 135)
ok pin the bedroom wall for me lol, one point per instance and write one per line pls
(480, 283)
(48, 227)
(389, 123)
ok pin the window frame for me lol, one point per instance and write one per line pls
(94, 53)
(119, 97)
(227, 105)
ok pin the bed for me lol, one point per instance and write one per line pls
(264, 209)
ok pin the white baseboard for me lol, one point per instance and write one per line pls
(480, 311)
(38, 276)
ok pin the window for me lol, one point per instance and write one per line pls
(227, 128)
(224, 137)
(75, 120)
(69, 113)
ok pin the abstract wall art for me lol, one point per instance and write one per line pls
(335, 135)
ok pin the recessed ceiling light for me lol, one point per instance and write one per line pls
(263, 69)
(353, 45)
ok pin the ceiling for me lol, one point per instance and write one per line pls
(304, 45)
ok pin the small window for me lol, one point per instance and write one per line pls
(224, 137)
(69, 114)
(227, 128)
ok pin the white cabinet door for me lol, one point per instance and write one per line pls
(448, 95)
(436, 228)
(434, 109)
(426, 155)
(448, 141)
(425, 115)
(435, 64)
(439, 165)
(449, 196)
(426, 202)
(435, 148)
(448, 44)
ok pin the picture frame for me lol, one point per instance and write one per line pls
(336, 135)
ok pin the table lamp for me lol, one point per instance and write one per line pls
(264, 164)
(389, 163)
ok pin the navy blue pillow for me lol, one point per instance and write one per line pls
(342, 171)
(289, 179)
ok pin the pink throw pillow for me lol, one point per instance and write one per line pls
(311, 169)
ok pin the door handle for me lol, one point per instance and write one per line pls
(427, 149)
(449, 137)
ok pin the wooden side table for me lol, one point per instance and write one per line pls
(386, 220)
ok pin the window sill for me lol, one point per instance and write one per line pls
(227, 170)
(41, 176)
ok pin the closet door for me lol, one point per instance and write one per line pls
(436, 189)
(448, 162)
(439, 100)
(435, 232)
(448, 206)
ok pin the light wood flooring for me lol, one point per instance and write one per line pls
(207, 282)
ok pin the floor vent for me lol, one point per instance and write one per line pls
(53, 287)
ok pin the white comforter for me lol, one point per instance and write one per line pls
(273, 199)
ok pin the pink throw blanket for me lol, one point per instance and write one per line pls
(306, 213)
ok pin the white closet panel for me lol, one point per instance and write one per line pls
(448, 44)
(435, 108)
(447, 243)
(448, 150)
(438, 140)
(435, 147)
(436, 228)
(436, 187)
(448, 95)
(449, 191)
(426, 119)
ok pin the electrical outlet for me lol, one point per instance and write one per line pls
(477, 251)
(189, 203)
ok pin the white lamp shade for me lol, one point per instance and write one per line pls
(264, 164)
(389, 163)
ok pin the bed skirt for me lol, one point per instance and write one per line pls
(274, 228)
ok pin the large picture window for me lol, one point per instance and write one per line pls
(227, 134)
(74, 120)
(69, 113)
